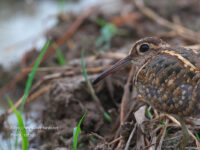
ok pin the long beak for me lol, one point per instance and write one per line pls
(113, 69)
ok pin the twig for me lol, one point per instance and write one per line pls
(163, 135)
(113, 55)
(147, 141)
(31, 98)
(176, 122)
(130, 137)
(116, 55)
(59, 42)
(91, 89)
(43, 69)
(157, 142)
(115, 140)
(97, 135)
(39, 92)
(155, 112)
(65, 71)
(125, 18)
(163, 22)
(126, 96)
(94, 97)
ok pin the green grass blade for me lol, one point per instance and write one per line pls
(93, 139)
(16, 139)
(108, 31)
(91, 89)
(32, 74)
(148, 114)
(107, 117)
(198, 138)
(100, 22)
(83, 66)
(60, 57)
(21, 125)
(29, 83)
(61, 5)
(76, 132)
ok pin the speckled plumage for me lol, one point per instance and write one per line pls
(169, 85)
(168, 78)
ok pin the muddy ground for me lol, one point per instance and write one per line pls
(68, 97)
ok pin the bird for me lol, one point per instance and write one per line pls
(166, 77)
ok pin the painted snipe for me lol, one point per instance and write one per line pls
(168, 78)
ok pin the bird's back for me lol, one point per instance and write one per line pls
(170, 81)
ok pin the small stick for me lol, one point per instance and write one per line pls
(176, 122)
(115, 140)
(157, 142)
(59, 42)
(130, 137)
(31, 98)
(126, 96)
(163, 135)
(163, 22)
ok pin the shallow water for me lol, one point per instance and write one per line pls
(22, 25)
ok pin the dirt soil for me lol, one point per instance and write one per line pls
(68, 97)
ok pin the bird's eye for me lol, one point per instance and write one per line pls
(144, 48)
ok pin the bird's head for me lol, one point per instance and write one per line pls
(141, 51)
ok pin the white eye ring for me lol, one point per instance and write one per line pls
(142, 48)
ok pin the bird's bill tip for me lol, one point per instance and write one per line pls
(112, 69)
